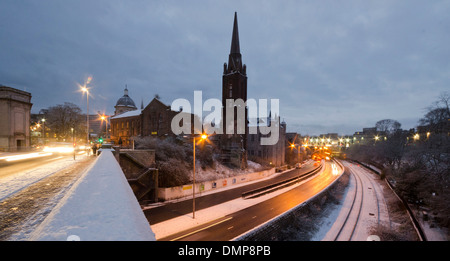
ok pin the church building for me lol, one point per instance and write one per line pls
(234, 86)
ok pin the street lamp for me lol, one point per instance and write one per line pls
(298, 152)
(105, 118)
(203, 137)
(86, 90)
(43, 123)
(73, 142)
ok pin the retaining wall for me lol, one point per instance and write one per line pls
(201, 187)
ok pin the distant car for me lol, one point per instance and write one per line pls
(298, 165)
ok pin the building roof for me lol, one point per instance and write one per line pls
(125, 100)
(133, 113)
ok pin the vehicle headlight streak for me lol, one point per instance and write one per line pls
(25, 156)
(335, 170)
(58, 149)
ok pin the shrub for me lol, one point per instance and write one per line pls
(173, 172)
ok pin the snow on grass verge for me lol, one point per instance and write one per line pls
(100, 206)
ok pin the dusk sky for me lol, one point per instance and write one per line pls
(335, 66)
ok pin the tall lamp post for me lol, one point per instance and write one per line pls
(105, 118)
(203, 137)
(298, 153)
(73, 142)
(43, 123)
(86, 90)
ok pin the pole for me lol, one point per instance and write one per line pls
(73, 143)
(44, 130)
(87, 119)
(193, 186)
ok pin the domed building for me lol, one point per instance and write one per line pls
(124, 103)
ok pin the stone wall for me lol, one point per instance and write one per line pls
(186, 190)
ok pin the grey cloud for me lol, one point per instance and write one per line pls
(329, 62)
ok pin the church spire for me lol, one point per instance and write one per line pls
(235, 57)
(235, 38)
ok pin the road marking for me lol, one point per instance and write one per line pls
(230, 228)
(201, 229)
(253, 217)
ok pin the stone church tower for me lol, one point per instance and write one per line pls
(234, 86)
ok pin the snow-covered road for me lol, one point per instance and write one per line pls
(29, 195)
(11, 184)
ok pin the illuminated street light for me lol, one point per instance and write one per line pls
(203, 137)
(73, 142)
(43, 127)
(103, 117)
(86, 90)
(298, 152)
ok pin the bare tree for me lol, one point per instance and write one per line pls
(437, 116)
(388, 126)
(443, 101)
(62, 118)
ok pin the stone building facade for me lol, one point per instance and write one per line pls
(124, 126)
(153, 120)
(156, 119)
(274, 155)
(15, 108)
